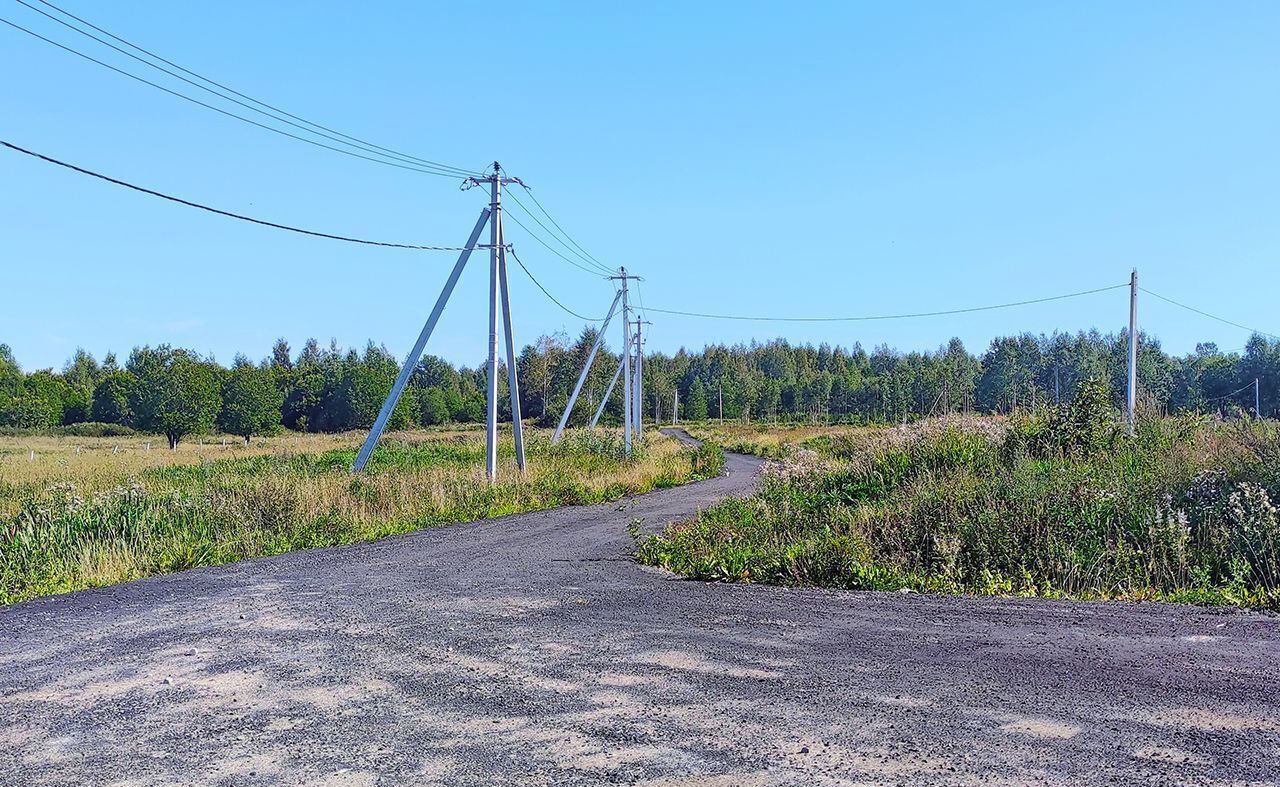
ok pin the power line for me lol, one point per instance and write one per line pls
(358, 144)
(547, 293)
(221, 111)
(599, 267)
(640, 295)
(550, 248)
(889, 316)
(1207, 314)
(1242, 389)
(567, 236)
(229, 214)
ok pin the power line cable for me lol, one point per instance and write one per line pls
(219, 110)
(567, 236)
(547, 292)
(444, 169)
(549, 248)
(1207, 314)
(229, 214)
(601, 268)
(640, 296)
(889, 316)
(1242, 389)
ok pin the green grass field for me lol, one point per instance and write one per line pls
(85, 512)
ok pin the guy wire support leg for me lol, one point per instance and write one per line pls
(411, 361)
(586, 368)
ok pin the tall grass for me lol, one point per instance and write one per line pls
(1042, 505)
(70, 524)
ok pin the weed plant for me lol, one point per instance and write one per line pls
(1051, 503)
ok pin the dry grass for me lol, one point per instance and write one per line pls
(101, 514)
(762, 439)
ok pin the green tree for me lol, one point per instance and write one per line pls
(177, 393)
(366, 383)
(251, 401)
(30, 411)
(435, 407)
(111, 399)
(695, 406)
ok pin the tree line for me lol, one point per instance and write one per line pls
(177, 392)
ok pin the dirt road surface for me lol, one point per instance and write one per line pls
(533, 650)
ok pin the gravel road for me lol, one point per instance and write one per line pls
(533, 650)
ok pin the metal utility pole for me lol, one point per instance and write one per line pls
(675, 406)
(720, 400)
(497, 280)
(1257, 400)
(586, 368)
(628, 400)
(499, 303)
(1132, 401)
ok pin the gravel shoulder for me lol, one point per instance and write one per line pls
(533, 650)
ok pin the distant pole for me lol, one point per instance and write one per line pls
(1132, 409)
(675, 406)
(720, 399)
(1257, 399)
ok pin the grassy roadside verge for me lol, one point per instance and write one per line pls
(69, 525)
(1051, 505)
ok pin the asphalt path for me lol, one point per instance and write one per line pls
(533, 650)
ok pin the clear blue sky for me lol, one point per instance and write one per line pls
(812, 159)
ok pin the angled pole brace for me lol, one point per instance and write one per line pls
(605, 399)
(411, 362)
(586, 367)
(513, 376)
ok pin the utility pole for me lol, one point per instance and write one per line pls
(499, 305)
(720, 399)
(1257, 400)
(628, 400)
(1132, 400)
(497, 281)
(675, 406)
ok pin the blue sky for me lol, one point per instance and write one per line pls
(774, 159)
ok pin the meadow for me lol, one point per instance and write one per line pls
(1053, 503)
(79, 512)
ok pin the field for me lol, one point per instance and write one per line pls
(84, 512)
(1057, 503)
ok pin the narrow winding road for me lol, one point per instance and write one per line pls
(532, 650)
